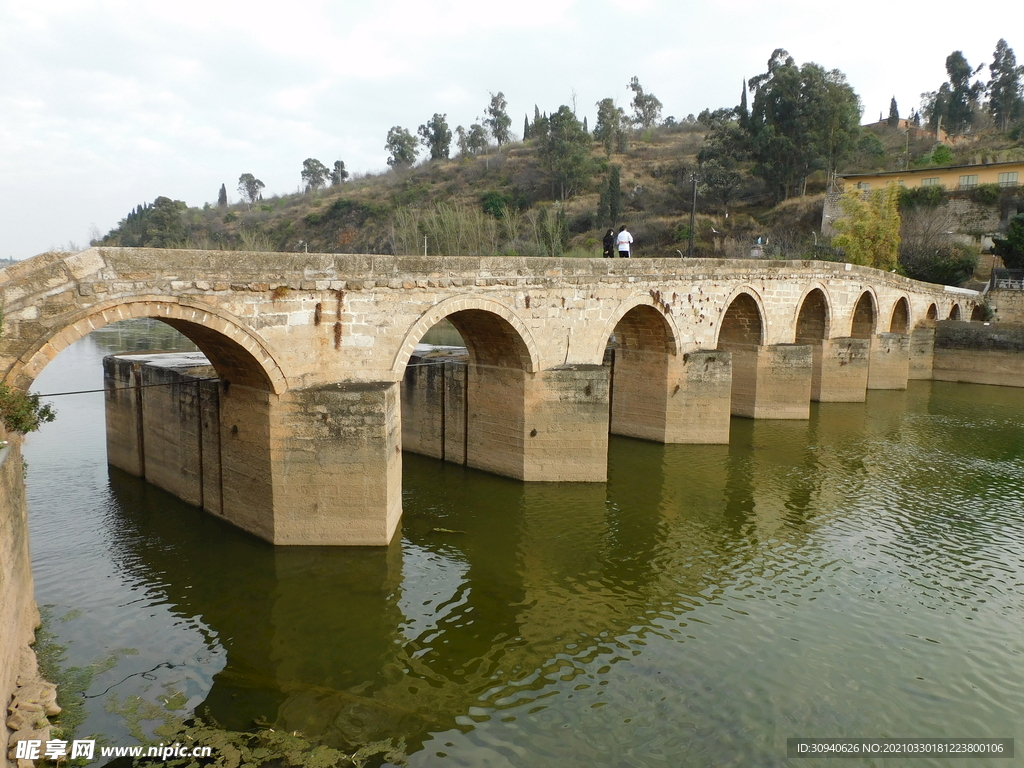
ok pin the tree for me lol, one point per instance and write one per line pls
(646, 107)
(314, 174)
(609, 207)
(436, 136)
(1011, 247)
(719, 178)
(1004, 89)
(953, 104)
(339, 174)
(869, 230)
(497, 120)
(894, 114)
(249, 187)
(802, 118)
(610, 119)
(401, 147)
(566, 152)
(526, 128)
(222, 197)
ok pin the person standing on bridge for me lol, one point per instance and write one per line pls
(624, 240)
(609, 244)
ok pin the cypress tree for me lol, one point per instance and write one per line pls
(526, 128)
(894, 114)
(222, 197)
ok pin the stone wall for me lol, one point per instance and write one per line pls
(1008, 306)
(18, 614)
(979, 354)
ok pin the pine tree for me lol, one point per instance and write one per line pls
(222, 197)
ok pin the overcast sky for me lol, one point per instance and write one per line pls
(105, 105)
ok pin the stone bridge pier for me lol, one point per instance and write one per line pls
(300, 439)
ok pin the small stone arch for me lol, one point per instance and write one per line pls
(813, 318)
(667, 333)
(899, 321)
(954, 312)
(238, 353)
(494, 334)
(977, 314)
(862, 325)
(743, 319)
(933, 313)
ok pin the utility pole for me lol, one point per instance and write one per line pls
(693, 210)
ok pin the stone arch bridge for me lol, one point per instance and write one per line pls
(311, 351)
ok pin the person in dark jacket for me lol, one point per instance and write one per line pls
(609, 244)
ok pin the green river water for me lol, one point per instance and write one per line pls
(857, 574)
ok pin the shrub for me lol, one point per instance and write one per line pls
(948, 264)
(22, 412)
(1011, 247)
(986, 194)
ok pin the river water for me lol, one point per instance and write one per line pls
(857, 574)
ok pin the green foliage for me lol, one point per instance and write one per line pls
(802, 118)
(222, 197)
(949, 264)
(610, 123)
(497, 119)
(942, 155)
(401, 147)
(869, 231)
(473, 141)
(609, 206)
(495, 202)
(249, 187)
(1011, 247)
(566, 154)
(954, 103)
(436, 136)
(160, 225)
(339, 174)
(920, 197)
(894, 114)
(646, 106)
(22, 412)
(1004, 89)
(314, 174)
(986, 194)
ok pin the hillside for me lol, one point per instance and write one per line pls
(504, 202)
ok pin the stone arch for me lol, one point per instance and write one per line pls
(899, 321)
(493, 333)
(640, 367)
(862, 325)
(977, 314)
(238, 353)
(933, 313)
(643, 323)
(813, 318)
(954, 312)
(743, 319)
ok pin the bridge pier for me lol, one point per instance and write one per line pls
(890, 361)
(922, 353)
(840, 370)
(672, 399)
(771, 381)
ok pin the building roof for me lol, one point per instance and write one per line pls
(931, 169)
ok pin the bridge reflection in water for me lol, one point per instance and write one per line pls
(707, 603)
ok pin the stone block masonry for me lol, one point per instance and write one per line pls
(975, 353)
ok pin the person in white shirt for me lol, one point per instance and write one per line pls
(624, 240)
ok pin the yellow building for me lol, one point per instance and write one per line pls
(950, 177)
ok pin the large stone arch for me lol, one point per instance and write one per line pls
(492, 321)
(237, 352)
(814, 316)
(864, 318)
(899, 318)
(743, 319)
